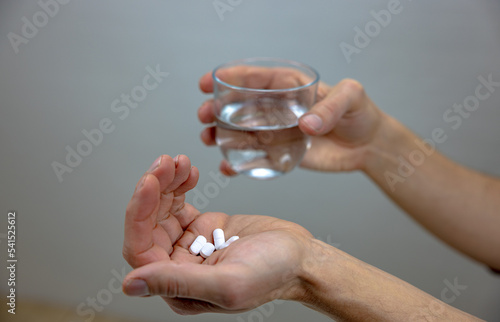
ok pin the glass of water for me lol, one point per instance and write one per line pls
(258, 103)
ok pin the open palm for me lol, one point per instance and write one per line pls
(160, 227)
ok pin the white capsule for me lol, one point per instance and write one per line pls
(219, 239)
(229, 241)
(207, 250)
(197, 245)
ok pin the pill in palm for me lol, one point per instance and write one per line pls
(207, 250)
(229, 241)
(197, 245)
(219, 238)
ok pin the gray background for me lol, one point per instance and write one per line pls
(64, 79)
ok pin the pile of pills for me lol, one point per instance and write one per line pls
(205, 249)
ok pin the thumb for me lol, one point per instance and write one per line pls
(173, 279)
(325, 114)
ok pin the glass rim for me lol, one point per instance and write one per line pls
(244, 61)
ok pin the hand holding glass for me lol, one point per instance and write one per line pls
(257, 118)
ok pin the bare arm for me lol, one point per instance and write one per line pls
(458, 205)
(347, 289)
(272, 259)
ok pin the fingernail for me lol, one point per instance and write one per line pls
(155, 165)
(136, 287)
(313, 121)
(176, 160)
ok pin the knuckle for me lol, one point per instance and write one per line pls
(126, 254)
(352, 84)
(128, 257)
(353, 87)
(330, 107)
(169, 288)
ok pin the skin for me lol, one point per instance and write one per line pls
(160, 227)
(276, 259)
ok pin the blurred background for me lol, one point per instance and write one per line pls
(68, 67)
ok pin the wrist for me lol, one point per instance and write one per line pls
(345, 288)
(320, 261)
(390, 142)
(328, 281)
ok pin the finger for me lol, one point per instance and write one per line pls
(204, 225)
(206, 112)
(172, 279)
(256, 77)
(189, 183)
(243, 76)
(207, 136)
(140, 209)
(261, 77)
(226, 169)
(170, 173)
(173, 214)
(178, 178)
(182, 166)
(323, 90)
(324, 115)
(206, 83)
(187, 213)
(140, 223)
(164, 171)
(284, 78)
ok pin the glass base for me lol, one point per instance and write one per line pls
(262, 173)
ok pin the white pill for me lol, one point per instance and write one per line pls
(219, 239)
(229, 241)
(197, 245)
(207, 250)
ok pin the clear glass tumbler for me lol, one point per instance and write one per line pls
(258, 102)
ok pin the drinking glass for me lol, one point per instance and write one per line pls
(258, 102)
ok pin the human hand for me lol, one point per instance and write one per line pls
(261, 266)
(343, 123)
(273, 259)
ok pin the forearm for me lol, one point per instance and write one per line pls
(460, 206)
(347, 289)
